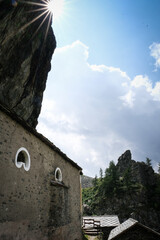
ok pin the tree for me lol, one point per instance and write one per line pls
(112, 171)
(148, 162)
(95, 181)
(127, 178)
(111, 179)
(159, 167)
(101, 174)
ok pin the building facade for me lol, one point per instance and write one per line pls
(40, 192)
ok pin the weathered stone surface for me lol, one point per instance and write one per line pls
(31, 208)
(140, 172)
(25, 55)
(86, 181)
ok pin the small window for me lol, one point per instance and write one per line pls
(58, 175)
(23, 159)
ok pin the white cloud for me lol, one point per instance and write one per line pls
(94, 113)
(142, 81)
(156, 91)
(128, 98)
(155, 53)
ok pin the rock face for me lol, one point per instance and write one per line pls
(86, 181)
(140, 172)
(142, 204)
(26, 48)
(136, 193)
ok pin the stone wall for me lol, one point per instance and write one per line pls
(32, 206)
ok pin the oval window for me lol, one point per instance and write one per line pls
(58, 175)
(23, 159)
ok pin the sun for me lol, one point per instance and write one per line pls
(56, 7)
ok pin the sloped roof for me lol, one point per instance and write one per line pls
(125, 226)
(122, 227)
(105, 220)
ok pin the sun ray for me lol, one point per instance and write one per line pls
(37, 10)
(56, 7)
(40, 25)
(34, 3)
(50, 17)
(51, 8)
(25, 26)
(45, 1)
(32, 21)
(33, 82)
(44, 10)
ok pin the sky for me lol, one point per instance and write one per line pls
(103, 91)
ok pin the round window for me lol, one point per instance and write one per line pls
(23, 159)
(58, 175)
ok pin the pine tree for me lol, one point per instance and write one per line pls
(101, 174)
(148, 161)
(159, 167)
(95, 181)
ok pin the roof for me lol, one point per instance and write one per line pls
(14, 116)
(105, 220)
(121, 228)
(125, 226)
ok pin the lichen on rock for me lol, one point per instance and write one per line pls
(26, 48)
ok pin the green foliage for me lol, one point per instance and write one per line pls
(128, 179)
(95, 181)
(158, 185)
(84, 237)
(101, 174)
(159, 167)
(110, 183)
(113, 185)
(148, 161)
(87, 195)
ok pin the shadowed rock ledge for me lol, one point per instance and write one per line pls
(25, 55)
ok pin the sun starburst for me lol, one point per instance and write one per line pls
(48, 10)
(56, 7)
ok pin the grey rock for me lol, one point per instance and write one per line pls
(86, 181)
(140, 172)
(25, 56)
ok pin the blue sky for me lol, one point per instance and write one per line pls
(103, 92)
(118, 33)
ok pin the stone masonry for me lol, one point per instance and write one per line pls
(32, 206)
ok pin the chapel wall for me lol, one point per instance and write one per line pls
(30, 206)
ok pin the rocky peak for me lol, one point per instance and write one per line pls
(125, 157)
(26, 48)
(140, 172)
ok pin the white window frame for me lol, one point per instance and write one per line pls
(27, 163)
(59, 179)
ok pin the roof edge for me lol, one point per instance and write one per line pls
(25, 125)
(135, 222)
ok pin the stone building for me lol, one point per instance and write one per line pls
(39, 185)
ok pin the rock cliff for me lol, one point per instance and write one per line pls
(86, 181)
(143, 203)
(129, 189)
(27, 43)
(139, 171)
